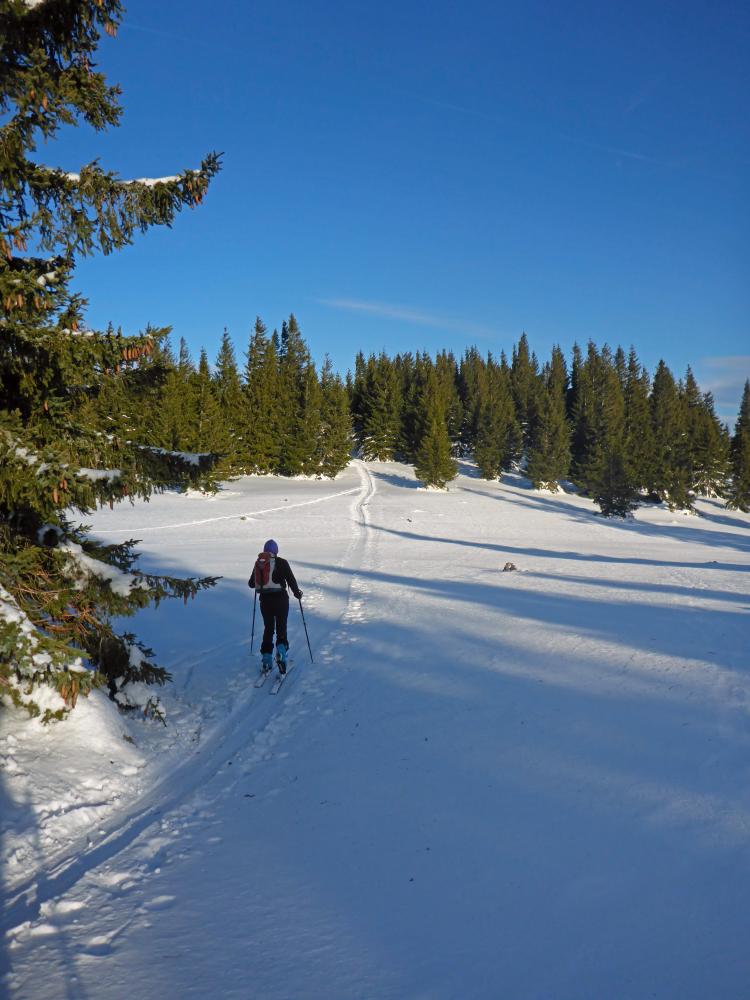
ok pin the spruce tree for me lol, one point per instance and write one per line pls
(598, 417)
(59, 590)
(710, 451)
(548, 458)
(149, 393)
(472, 390)
(620, 364)
(498, 437)
(706, 445)
(311, 423)
(446, 371)
(580, 407)
(185, 364)
(408, 389)
(416, 402)
(230, 397)
(434, 465)
(638, 433)
(262, 406)
(739, 486)
(173, 418)
(382, 410)
(609, 405)
(336, 425)
(113, 409)
(294, 399)
(357, 388)
(525, 385)
(207, 432)
(671, 478)
(613, 488)
(742, 426)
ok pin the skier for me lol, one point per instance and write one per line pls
(270, 578)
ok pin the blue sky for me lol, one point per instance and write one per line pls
(417, 175)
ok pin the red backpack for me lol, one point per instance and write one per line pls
(263, 573)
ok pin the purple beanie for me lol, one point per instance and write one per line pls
(271, 546)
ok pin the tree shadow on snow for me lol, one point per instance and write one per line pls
(18, 819)
(468, 470)
(678, 531)
(524, 550)
(10, 814)
(579, 791)
(650, 628)
(211, 629)
(396, 480)
(666, 589)
(723, 518)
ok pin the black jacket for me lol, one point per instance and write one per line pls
(282, 574)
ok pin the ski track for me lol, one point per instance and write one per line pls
(44, 892)
(247, 516)
(361, 556)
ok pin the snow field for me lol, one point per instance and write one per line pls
(529, 784)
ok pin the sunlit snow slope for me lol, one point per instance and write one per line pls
(529, 784)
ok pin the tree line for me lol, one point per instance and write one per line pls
(600, 421)
(275, 413)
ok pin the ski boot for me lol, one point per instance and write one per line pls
(266, 662)
(281, 651)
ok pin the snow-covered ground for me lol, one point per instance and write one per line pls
(529, 784)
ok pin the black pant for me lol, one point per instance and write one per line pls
(275, 610)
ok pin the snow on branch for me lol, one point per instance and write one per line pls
(120, 583)
(27, 636)
(147, 181)
(153, 181)
(194, 458)
(10, 612)
(96, 475)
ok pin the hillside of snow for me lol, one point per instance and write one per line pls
(528, 784)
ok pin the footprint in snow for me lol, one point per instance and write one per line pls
(43, 930)
(159, 903)
(60, 907)
(112, 878)
(99, 946)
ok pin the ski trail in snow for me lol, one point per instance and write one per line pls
(154, 828)
(249, 515)
(359, 589)
(236, 738)
(356, 551)
(361, 557)
(26, 899)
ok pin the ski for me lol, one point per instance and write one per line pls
(262, 677)
(280, 678)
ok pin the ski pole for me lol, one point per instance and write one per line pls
(252, 631)
(305, 624)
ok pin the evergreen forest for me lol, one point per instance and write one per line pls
(598, 421)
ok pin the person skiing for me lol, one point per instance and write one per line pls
(270, 578)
